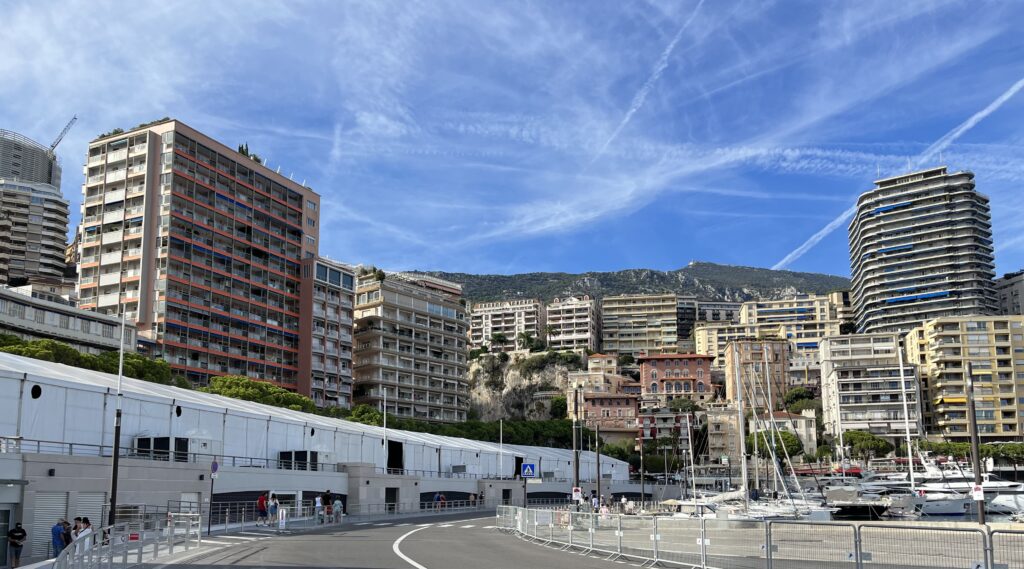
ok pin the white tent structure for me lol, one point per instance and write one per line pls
(65, 410)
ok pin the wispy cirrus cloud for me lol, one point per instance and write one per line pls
(453, 135)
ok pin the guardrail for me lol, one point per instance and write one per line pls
(748, 544)
(131, 543)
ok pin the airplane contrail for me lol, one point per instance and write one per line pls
(938, 146)
(641, 96)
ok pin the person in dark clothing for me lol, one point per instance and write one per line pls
(15, 542)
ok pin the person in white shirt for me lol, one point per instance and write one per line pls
(83, 542)
(319, 508)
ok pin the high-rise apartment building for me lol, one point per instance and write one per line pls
(39, 225)
(573, 323)
(712, 339)
(325, 344)
(201, 246)
(411, 346)
(24, 159)
(30, 196)
(861, 388)
(921, 248)
(760, 367)
(508, 319)
(640, 324)
(994, 346)
(5, 246)
(1010, 292)
(804, 320)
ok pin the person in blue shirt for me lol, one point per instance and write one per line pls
(57, 536)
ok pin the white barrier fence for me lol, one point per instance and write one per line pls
(747, 544)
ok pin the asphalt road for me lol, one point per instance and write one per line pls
(444, 542)
(471, 541)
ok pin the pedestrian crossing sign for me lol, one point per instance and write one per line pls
(528, 470)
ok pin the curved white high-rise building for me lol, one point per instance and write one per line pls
(921, 248)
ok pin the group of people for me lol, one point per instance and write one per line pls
(62, 536)
(267, 509)
(328, 507)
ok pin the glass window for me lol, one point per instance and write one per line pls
(654, 388)
(347, 281)
(334, 277)
(311, 205)
(321, 272)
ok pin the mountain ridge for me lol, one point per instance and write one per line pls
(708, 281)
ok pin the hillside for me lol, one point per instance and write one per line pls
(708, 281)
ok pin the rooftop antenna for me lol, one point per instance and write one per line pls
(278, 169)
(60, 136)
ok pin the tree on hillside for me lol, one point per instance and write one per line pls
(559, 407)
(241, 387)
(525, 340)
(626, 360)
(500, 339)
(797, 394)
(683, 405)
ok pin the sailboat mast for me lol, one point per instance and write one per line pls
(742, 430)
(906, 413)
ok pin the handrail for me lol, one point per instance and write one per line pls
(124, 542)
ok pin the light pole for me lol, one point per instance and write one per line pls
(115, 458)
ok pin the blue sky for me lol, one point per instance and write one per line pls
(551, 136)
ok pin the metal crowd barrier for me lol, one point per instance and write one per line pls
(124, 544)
(749, 544)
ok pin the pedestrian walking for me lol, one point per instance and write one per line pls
(338, 509)
(261, 509)
(15, 542)
(273, 508)
(57, 536)
(318, 508)
(437, 500)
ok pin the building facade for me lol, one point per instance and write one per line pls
(664, 377)
(325, 344)
(38, 316)
(718, 311)
(921, 248)
(724, 434)
(201, 246)
(760, 367)
(22, 158)
(38, 216)
(411, 346)
(804, 320)
(640, 324)
(1010, 293)
(861, 388)
(573, 324)
(994, 346)
(5, 246)
(507, 318)
(669, 430)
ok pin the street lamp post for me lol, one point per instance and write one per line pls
(116, 455)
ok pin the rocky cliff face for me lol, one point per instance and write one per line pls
(708, 281)
(504, 391)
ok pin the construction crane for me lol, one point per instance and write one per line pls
(60, 136)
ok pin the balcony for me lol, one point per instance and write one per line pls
(116, 175)
(108, 299)
(117, 155)
(113, 196)
(95, 179)
(112, 237)
(136, 170)
(110, 279)
(97, 159)
(137, 149)
(110, 258)
(113, 216)
(93, 199)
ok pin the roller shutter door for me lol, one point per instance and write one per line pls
(49, 507)
(90, 505)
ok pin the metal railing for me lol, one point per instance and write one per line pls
(130, 543)
(748, 544)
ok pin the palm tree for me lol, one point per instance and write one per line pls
(499, 339)
(525, 340)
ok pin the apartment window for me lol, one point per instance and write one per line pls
(310, 222)
(311, 205)
(310, 240)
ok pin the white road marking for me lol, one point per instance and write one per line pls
(490, 527)
(364, 524)
(207, 541)
(382, 525)
(403, 556)
(445, 525)
(241, 537)
(423, 525)
(400, 525)
(469, 526)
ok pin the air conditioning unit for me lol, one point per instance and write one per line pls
(178, 449)
(304, 459)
